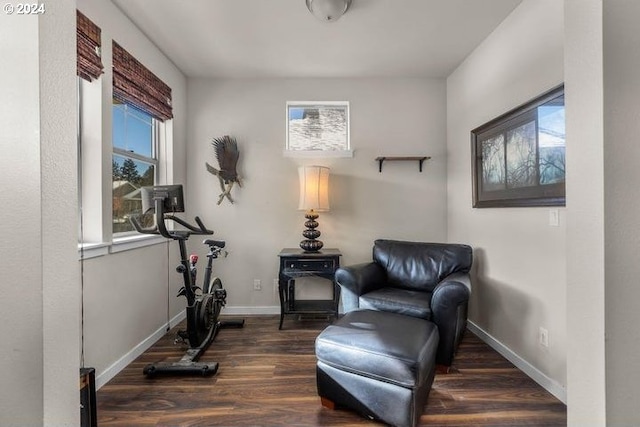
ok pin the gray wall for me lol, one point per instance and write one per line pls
(388, 117)
(520, 261)
(621, 206)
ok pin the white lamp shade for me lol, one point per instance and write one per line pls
(314, 188)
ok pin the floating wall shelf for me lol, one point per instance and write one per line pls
(419, 159)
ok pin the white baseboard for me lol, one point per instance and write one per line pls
(544, 381)
(104, 377)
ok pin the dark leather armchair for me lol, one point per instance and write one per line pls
(426, 280)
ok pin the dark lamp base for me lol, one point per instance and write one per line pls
(311, 245)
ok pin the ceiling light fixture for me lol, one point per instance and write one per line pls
(328, 10)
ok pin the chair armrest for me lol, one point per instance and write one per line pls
(463, 278)
(447, 295)
(361, 278)
(449, 304)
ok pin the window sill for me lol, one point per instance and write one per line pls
(317, 153)
(120, 244)
(92, 250)
(126, 243)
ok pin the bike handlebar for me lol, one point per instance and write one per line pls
(161, 228)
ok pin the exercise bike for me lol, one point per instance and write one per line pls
(203, 303)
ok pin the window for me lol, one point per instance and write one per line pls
(320, 128)
(134, 161)
(112, 170)
(519, 157)
(141, 101)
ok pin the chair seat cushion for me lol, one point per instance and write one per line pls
(383, 346)
(401, 301)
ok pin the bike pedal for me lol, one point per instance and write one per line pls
(220, 295)
(181, 338)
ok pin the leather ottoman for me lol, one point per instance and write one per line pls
(379, 364)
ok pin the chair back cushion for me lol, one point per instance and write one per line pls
(419, 265)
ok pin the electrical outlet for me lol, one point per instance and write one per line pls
(257, 285)
(554, 217)
(543, 337)
(275, 286)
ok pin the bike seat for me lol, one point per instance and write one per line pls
(213, 243)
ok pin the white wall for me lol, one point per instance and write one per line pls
(39, 303)
(602, 126)
(20, 162)
(621, 207)
(585, 213)
(388, 117)
(58, 163)
(520, 278)
(129, 296)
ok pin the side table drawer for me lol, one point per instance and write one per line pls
(309, 265)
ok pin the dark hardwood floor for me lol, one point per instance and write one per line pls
(267, 378)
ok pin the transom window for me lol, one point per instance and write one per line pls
(318, 128)
(134, 161)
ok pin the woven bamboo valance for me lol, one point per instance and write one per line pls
(134, 84)
(89, 63)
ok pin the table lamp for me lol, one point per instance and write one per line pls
(314, 198)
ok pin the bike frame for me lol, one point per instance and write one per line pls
(199, 336)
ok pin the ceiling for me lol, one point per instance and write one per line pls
(280, 38)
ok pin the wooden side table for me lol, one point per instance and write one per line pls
(294, 263)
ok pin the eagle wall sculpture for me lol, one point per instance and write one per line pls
(227, 153)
